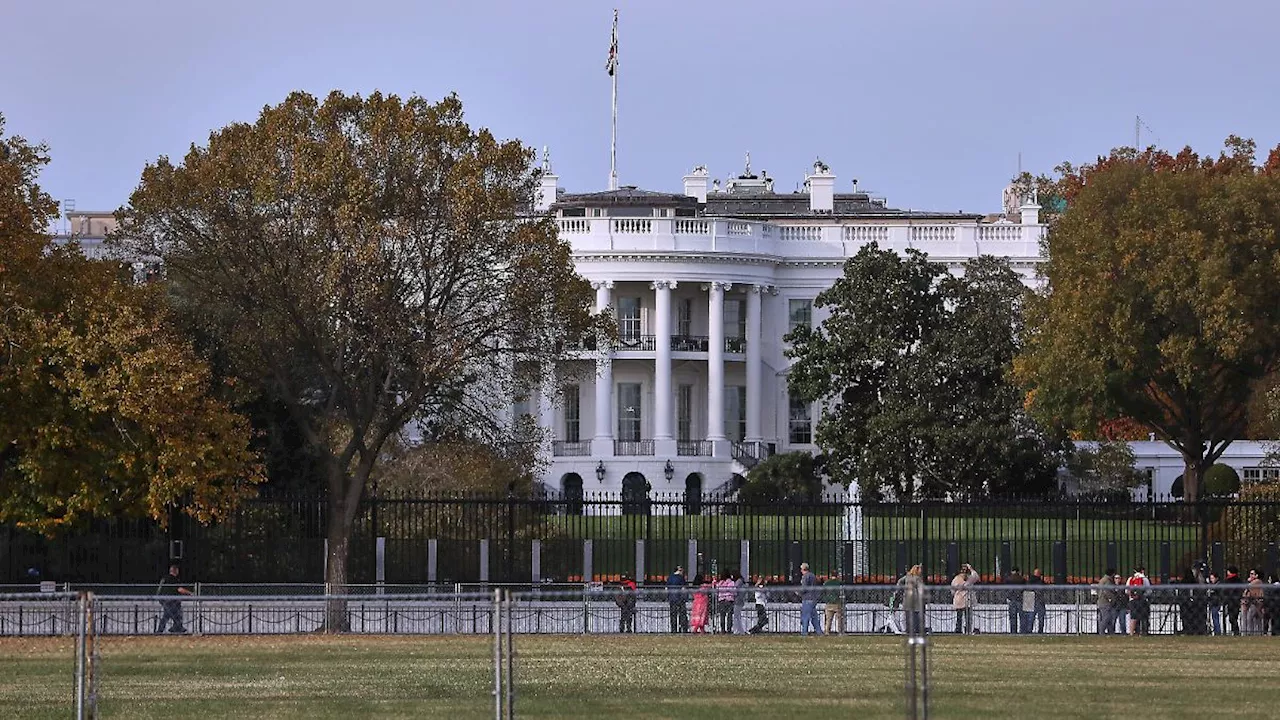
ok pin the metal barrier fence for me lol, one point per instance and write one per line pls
(567, 538)
(596, 609)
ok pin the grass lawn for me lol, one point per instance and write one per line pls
(648, 677)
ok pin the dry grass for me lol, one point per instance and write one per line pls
(649, 677)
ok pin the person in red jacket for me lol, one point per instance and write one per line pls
(626, 601)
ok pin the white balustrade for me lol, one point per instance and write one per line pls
(737, 227)
(932, 234)
(632, 226)
(866, 234)
(574, 225)
(693, 226)
(800, 233)
(1000, 232)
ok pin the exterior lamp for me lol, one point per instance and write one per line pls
(668, 471)
(600, 471)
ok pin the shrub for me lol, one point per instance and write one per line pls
(1221, 481)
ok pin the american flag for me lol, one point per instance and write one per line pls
(612, 65)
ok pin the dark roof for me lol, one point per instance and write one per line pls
(624, 197)
(779, 205)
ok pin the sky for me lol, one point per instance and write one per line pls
(929, 103)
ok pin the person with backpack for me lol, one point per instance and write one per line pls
(169, 591)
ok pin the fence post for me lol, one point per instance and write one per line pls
(744, 558)
(1273, 558)
(1006, 556)
(641, 576)
(1219, 558)
(484, 561)
(1113, 557)
(380, 562)
(587, 574)
(535, 562)
(692, 560)
(1164, 561)
(953, 559)
(900, 560)
(793, 570)
(432, 558)
(1060, 562)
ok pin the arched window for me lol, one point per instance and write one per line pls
(693, 494)
(571, 486)
(635, 494)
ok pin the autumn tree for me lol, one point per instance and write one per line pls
(106, 409)
(912, 369)
(1159, 297)
(371, 263)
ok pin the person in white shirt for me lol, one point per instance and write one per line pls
(762, 617)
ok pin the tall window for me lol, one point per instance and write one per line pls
(735, 412)
(572, 414)
(684, 413)
(799, 314)
(629, 411)
(629, 318)
(800, 422)
(684, 317)
(735, 318)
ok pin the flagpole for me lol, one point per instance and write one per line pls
(613, 134)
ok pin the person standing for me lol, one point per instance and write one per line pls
(808, 601)
(1107, 603)
(678, 611)
(1040, 607)
(1231, 595)
(909, 586)
(725, 592)
(1122, 606)
(169, 590)
(701, 605)
(762, 616)
(1139, 602)
(1215, 603)
(832, 606)
(962, 600)
(1251, 606)
(626, 601)
(1013, 600)
(741, 591)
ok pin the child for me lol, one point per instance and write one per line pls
(762, 618)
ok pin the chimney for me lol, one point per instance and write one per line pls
(1030, 210)
(695, 183)
(548, 185)
(822, 188)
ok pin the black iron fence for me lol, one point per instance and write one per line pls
(580, 538)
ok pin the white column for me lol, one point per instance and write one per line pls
(755, 366)
(603, 441)
(662, 362)
(715, 361)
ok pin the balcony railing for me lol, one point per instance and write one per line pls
(579, 344)
(566, 448)
(641, 343)
(735, 345)
(750, 454)
(632, 447)
(694, 448)
(689, 343)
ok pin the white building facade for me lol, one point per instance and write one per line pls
(704, 285)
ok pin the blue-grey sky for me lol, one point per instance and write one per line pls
(927, 102)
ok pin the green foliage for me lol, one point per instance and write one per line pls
(1176, 489)
(106, 410)
(785, 477)
(912, 368)
(1221, 481)
(1159, 301)
(1106, 470)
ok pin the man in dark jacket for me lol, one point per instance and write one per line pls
(171, 608)
(1231, 598)
(676, 601)
(626, 601)
(1014, 600)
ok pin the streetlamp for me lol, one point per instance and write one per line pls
(668, 472)
(600, 471)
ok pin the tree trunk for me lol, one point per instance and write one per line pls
(335, 568)
(1190, 479)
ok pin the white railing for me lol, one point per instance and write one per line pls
(737, 227)
(632, 226)
(575, 225)
(1000, 232)
(932, 233)
(866, 234)
(690, 226)
(800, 233)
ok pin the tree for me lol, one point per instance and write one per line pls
(1158, 302)
(369, 263)
(107, 410)
(783, 478)
(912, 368)
(1106, 470)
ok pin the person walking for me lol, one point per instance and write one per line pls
(1215, 603)
(910, 585)
(762, 616)
(1251, 606)
(678, 612)
(832, 606)
(1231, 596)
(808, 601)
(701, 605)
(169, 590)
(1107, 603)
(962, 599)
(725, 592)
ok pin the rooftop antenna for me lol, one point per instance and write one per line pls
(1138, 125)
